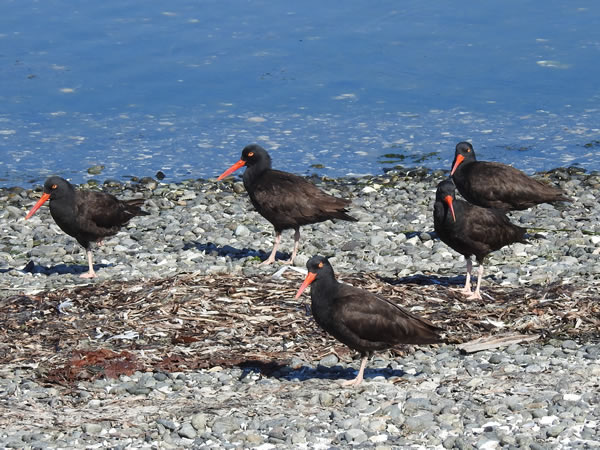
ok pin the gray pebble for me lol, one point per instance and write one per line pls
(355, 436)
(168, 424)
(187, 431)
(329, 360)
(496, 358)
(242, 230)
(555, 430)
(418, 423)
(199, 422)
(569, 345)
(92, 428)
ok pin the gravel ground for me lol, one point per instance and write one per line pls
(538, 395)
(210, 226)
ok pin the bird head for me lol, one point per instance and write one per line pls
(317, 266)
(251, 155)
(464, 152)
(53, 186)
(446, 193)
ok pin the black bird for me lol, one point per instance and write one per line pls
(363, 321)
(284, 199)
(471, 230)
(88, 216)
(496, 185)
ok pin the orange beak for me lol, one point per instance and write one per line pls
(232, 169)
(459, 159)
(309, 279)
(40, 202)
(448, 200)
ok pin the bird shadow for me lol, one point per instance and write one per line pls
(60, 269)
(432, 234)
(303, 373)
(232, 252)
(426, 280)
(339, 373)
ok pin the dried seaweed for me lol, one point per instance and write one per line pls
(193, 321)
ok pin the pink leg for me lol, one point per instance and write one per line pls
(467, 289)
(271, 258)
(477, 294)
(359, 377)
(90, 273)
(296, 244)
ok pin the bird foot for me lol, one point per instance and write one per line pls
(474, 296)
(88, 275)
(463, 291)
(266, 262)
(288, 262)
(352, 383)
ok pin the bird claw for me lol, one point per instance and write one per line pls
(266, 262)
(88, 275)
(352, 383)
(463, 291)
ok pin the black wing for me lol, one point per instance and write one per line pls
(373, 318)
(287, 201)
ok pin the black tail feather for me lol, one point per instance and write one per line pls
(134, 207)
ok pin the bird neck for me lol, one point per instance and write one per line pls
(63, 200)
(323, 291)
(440, 211)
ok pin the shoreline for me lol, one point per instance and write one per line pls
(95, 180)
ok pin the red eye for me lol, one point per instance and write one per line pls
(320, 265)
(251, 154)
(54, 186)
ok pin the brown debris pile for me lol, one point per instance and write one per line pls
(193, 321)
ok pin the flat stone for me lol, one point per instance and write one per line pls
(329, 360)
(92, 428)
(187, 431)
(355, 436)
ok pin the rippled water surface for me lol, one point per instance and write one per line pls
(181, 87)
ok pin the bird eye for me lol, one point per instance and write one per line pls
(251, 154)
(320, 265)
(54, 186)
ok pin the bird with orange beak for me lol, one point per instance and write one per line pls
(362, 320)
(286, 200)
(88, 216)
(496, 185)
(471, 230)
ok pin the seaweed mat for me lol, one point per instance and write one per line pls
(195, 320)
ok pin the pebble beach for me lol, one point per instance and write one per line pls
(542, 394)
(210, 226)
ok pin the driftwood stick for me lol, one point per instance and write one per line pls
(496, 341)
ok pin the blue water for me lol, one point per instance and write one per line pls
(327, 87)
